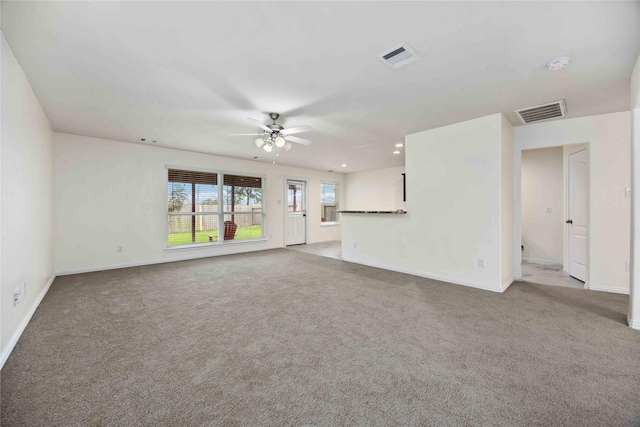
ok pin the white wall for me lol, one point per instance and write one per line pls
(609, 174)
(543, 188)
(380, 189)
(506, 203)
(111, 193)
(454, 209)
(26, 184)
(3, 356)
(634, 291)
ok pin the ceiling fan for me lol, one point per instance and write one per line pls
(276, 135)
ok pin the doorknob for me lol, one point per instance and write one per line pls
(569, 221)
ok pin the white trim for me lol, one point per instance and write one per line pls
(329, 224)
(519, 147)
(603, 288)
(552, 262)
(143, 263)
(18, 333)
(439, 277)
(507, 283)
(216, 243)
(517, 209)
(221, 214)
(633, 324)
(570, 150)
(285, 205)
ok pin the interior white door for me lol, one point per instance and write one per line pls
(296, 228)
(577, 221)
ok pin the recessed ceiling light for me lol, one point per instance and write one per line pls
(396, 152)
(558, 63)
(400, 144)
(343, 165)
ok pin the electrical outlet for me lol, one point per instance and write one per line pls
(119, 249)
(627, 192)
(626, 267)
(480, 263)
(16, 297)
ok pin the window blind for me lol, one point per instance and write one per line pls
(177, 175)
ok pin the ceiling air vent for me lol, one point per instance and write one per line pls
(550, 110)
(399, 56)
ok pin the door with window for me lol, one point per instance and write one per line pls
(296, 222)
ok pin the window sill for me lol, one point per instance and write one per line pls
(213, 244)
(329, 224)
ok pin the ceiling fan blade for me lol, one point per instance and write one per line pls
(298, 129)
(298, 140)
(259, 123)
(245, 134)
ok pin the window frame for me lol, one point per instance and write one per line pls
(221, 213)
(337, 203)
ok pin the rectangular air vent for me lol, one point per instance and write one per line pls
(399, 56)
(550, 110)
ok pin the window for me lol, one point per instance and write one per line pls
(196, 214)
(328, 202)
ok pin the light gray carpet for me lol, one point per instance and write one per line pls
(287, 338)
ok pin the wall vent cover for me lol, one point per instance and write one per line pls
(399, 56)
(546, 111)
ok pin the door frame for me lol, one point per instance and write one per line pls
(285, 206)
(517, 200)
(567, 239)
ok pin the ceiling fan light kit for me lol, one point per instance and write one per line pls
(274, 134)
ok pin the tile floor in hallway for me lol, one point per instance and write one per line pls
(331, 249)
(549, 275)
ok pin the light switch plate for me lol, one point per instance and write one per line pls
(627, 192)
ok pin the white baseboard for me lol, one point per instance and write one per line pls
(122, 265)
(602, 288)
(18, 333)
(439, 277)
(508, 283)
(553, 262)
(143, 263)
(633, 324)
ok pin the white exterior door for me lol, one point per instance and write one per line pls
(296, 228)
(577, 221)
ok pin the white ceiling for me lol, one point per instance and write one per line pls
(189, 73)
